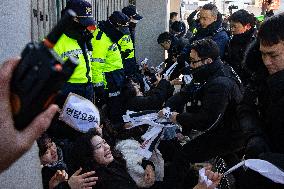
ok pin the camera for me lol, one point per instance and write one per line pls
(40, 75)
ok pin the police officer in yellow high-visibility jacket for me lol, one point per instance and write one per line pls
(126, 43)
(105, 59)
(126, 47)
(108, 72)
(76, 42)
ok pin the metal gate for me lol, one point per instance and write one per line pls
(46, 13)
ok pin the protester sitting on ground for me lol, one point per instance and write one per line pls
(135, 100)
(93, 153)
(14, 143)
(144, 172)
(54, 170)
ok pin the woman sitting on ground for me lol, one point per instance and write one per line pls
(93, 153)
(54, 170)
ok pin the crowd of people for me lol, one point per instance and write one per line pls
(230, 103)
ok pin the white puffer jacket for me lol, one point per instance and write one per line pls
(129, 148)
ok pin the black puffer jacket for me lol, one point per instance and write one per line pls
(213, 100)
(114, 176)
(273, 115)
(235, 52)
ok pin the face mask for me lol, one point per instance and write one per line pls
(132, 24)
(123, 29)
(75, 26)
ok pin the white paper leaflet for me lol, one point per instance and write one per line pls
(170, 70)
(263, 167)
(148, 146)
(146, 117)
(203, 177)
(154, 132)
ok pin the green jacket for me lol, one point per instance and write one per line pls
(105, 57)
(126, 47)
(66, 47)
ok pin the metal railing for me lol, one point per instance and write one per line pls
(46, 13)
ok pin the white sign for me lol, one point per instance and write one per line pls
(263, 167)
(80, 113)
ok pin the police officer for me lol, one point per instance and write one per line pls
(76, 42)
(126, 43)
(132, 13)
(108, 72)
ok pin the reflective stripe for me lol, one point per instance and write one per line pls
(126, 45)
(126, 38)
(113, 47)
(99, 84)
(68, 47)
(75, 53)
(114, 94)
(100, 60)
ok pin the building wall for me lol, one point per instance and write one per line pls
(46, 13)
(25, 173)
(175, 6)
(155, 21)
(15, 24)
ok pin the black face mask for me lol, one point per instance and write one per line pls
(75, 30)
(132, 25)
(199, 73)
(124, 30)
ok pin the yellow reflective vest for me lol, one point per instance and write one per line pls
(126, 44)
(105, 57)
(66, 47)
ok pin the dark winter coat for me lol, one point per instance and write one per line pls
(216, 32)
(273, 115)
(235, 52)
(175, 52)
(154, 99)
(114, 176)
(212, 101)
(48, 172)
